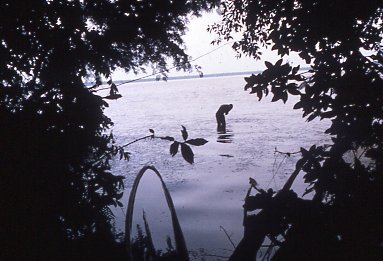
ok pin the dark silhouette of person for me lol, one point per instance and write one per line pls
(113, 88)
(220, 115)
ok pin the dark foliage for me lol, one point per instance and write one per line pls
(143, 248)
(55, 181)
(342, 43)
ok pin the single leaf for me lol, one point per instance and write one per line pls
(197, 142)
(278, 63)
(295, 69)
(268, 65)
(292, 89)
(184, 133)
(167, 138)
(248, 85)
(187, 153)
(174, 148)
(260, 94)
(276, 97)
(312, 116)
(312, 148)
(121, 154)
(126, 155)
(151, 131)
(284, 97)
(298, 105)
(250, 79)
(328, 114)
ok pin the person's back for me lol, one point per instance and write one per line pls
(224, 109)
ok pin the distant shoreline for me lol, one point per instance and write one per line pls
(170, 78)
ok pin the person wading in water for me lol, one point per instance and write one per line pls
(113, 93)
(113, 88)
(220, 115)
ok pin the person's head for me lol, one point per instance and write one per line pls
(109, 82)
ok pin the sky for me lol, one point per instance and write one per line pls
(198, 42)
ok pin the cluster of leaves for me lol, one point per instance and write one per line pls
(56, 185)
(280, 79)
(186, 151)
(342, 43)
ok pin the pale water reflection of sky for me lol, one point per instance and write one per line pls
(198, 42)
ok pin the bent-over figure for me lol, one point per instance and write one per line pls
(220, 115)
(113, 88)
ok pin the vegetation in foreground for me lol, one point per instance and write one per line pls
(341, 41)
(55, 180)
(56, 185)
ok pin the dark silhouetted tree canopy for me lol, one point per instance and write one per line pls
(341, 41)
(55, 180)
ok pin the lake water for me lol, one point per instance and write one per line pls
(209, 194)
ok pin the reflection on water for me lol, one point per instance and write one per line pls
(226, 155)
(225, 136)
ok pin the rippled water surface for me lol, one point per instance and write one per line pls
(208, 195)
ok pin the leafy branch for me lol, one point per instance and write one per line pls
(186, 151)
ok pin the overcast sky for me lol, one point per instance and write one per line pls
(198, 42)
